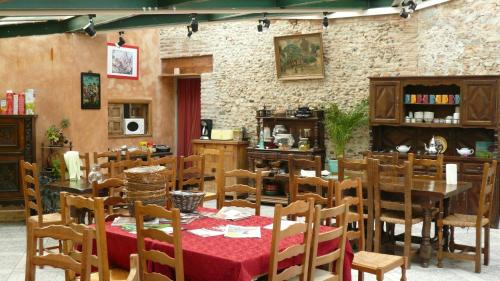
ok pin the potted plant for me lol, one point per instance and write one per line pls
(55, 135)
(340, 125)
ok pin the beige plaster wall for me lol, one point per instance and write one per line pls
(52, 65)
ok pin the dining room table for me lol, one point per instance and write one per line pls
(218, 258)
(427, 193)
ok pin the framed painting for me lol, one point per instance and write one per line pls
(90, 90)
(123, 62)
(299, 56)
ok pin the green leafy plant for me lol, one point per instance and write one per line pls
(55, 135)
(341, 124)
(56, 168)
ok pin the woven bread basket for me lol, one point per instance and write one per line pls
(146, 184)
(186, 202)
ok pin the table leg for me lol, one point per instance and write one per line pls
(446, 212)
(425, 246)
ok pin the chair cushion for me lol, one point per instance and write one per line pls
(461, 220)
(115, 274)
(372, 262)
(52, 218)
(398, 217)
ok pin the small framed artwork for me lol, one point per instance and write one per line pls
(123, 62)
(90, 90)
(299, 56)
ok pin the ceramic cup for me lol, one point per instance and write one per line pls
(457, 99)
(451, 99)
(444, 98)
(413, 98)
(407, 98)
(438, 99)
(419, 99)
(432, 99)
(425, 99)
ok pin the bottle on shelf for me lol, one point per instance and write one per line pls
(261, 138)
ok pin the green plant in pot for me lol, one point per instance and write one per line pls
(341, 124)
(55, 134)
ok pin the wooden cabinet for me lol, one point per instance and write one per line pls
(384, 101)
(235, 155)
(479, 102)
(391, 101)
(17, 142)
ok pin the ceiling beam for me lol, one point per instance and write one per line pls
(29, 29)
(219, 4)
(149, 21)
(78, 22)
(76, 4)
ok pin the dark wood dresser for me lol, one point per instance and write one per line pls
(17, 142)
(476, 100)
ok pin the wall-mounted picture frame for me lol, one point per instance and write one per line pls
(90, 90)
(299, 56)
(123, 62)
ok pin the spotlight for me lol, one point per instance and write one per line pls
(89, 28)
(412, 5)
(259, 27)
(325, 20)
(189, 31)
(194, 23)
(121, 40)
(264, 22)
(404, 14)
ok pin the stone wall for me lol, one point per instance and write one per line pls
(460, 37)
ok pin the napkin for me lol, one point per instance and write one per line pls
(451, 173)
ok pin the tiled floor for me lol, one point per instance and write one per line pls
(13, 247)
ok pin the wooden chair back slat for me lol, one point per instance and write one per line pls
(354, 189)
(255, 190)
(104, 159)
(138, 155)
(386, 158)
(427, 168)
(62, 260)
(31, 191)
(84, 167)
(486, 193)
(108, 187)
(325, 187)
(174, 238)
(340, 232)
(214, 164)
(298, 208)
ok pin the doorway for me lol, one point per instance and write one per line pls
(188, 114)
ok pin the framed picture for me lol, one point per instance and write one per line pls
(299, 56)
(123, 62)
(90, 90)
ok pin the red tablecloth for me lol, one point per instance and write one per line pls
(217, 258)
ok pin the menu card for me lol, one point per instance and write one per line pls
(237, 231)
(234, 213)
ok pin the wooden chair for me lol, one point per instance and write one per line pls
(427, 168)
(107, 158)
(214, 164)
(326, 188)
(33, 202)
(84, 167)
(169, 162)
(112, 189)
(96, 207)
(117, 168)
(391, 158)
(191, 173)
(72, 261)
(350, 192)
(296, 164)
(147, 256)
(394, 181)
(335, 257)
(298, 208)
(365, 261)
(360, 166)
(478, 221)
(138, 154)
(241, 188)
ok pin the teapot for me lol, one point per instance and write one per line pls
(432, 148)
(403, 148)
(465, 151)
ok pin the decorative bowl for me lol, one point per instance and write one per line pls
(186, 202)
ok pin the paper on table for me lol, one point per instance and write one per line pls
(234, 213)
(123, 220)
(284, 224)
(204, 232)
(451, 173)
(237, 231)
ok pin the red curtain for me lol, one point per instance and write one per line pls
(188, 114)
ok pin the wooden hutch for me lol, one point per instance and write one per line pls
(17, 142)
(294, 126)
(475, 98)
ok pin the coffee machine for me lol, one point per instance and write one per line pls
(206, 129)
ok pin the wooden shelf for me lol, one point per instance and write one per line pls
(430, 125)
(433, 104)
(288, 118)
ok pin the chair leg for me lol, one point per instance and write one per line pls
(478, 250)
(403, 272)
(407, 244)
(360, 275)
(451, 245)
(440, 244)
(377, 236)
(380, 276)
(487, 244)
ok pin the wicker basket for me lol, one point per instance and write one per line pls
(146, 184)
(187, 202)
